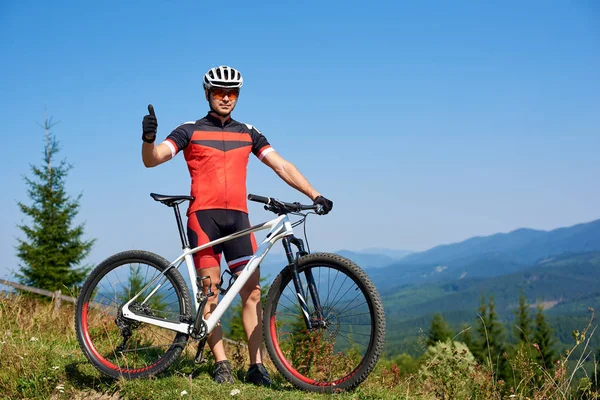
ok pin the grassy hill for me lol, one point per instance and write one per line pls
(40, 359)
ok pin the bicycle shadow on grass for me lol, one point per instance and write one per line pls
(83, 380)
(83, 376)
(188, 368)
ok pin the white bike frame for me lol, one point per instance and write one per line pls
(279, 228)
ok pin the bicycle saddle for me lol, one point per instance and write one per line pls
(170, 200)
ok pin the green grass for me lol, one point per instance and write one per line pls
(41, 359)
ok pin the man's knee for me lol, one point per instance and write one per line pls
(251, 295)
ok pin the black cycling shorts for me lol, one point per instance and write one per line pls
(207, 225)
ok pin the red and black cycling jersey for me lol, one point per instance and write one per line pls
(217, 158)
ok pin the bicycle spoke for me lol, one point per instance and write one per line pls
(132, 346)
(334, 302)
(343, 309)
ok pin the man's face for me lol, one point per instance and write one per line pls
(223, 100)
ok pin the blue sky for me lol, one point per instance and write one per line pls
(425, 122)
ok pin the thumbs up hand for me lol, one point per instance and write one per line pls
(149, 126)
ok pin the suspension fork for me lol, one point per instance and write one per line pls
(312, 287)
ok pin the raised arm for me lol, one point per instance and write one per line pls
(153, 155)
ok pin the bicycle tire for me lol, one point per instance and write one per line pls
(315, 369)
(97, 313)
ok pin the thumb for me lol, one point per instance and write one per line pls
(151, 110)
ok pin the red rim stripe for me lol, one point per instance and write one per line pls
(289, 367)
(90, 345)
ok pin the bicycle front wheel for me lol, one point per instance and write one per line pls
(121, 347)
(348, 329)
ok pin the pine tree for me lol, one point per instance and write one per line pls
(544, 340)
(52, 253)
(490, 347)
(496, 341)
(439, 330)
(523, 327)
(479, 344)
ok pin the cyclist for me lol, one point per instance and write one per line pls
(216, 149)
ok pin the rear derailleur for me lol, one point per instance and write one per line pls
(126, 325)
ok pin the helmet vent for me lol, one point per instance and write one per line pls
(224, 77)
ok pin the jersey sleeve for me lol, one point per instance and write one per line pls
(179, 138)
(260, 144)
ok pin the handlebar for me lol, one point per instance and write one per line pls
(281, 207)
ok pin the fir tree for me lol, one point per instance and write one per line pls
(522, 353)
(53, 249)
(490, 347)
(523, 327)
(496, 341)
(544, 340)
(479, 344)
(439, 330)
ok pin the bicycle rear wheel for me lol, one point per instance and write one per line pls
(347, 336)
(121, 347)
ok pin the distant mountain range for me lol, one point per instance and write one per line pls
(368, 259)
(488, 256)
(374, 258)
(521, 245)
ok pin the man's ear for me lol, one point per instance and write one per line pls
(206, 95)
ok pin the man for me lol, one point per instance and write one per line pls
(216, 149)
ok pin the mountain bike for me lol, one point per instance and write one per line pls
(323, 322)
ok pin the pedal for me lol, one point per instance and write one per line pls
(201, 288)
(221, 287)
(199, 359)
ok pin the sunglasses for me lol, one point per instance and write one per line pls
(219, 94)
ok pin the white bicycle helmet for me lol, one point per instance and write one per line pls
(223, 77)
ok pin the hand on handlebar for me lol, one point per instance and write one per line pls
(326, 204)
(149, 126)
(321, 205)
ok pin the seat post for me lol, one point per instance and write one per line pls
(182, 235)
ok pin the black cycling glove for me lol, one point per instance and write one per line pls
(326, 204)
(149, 126)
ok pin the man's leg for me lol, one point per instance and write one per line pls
(238, 252)
(252, 316)
(203, 227)
(252, 321)
(215, 339)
